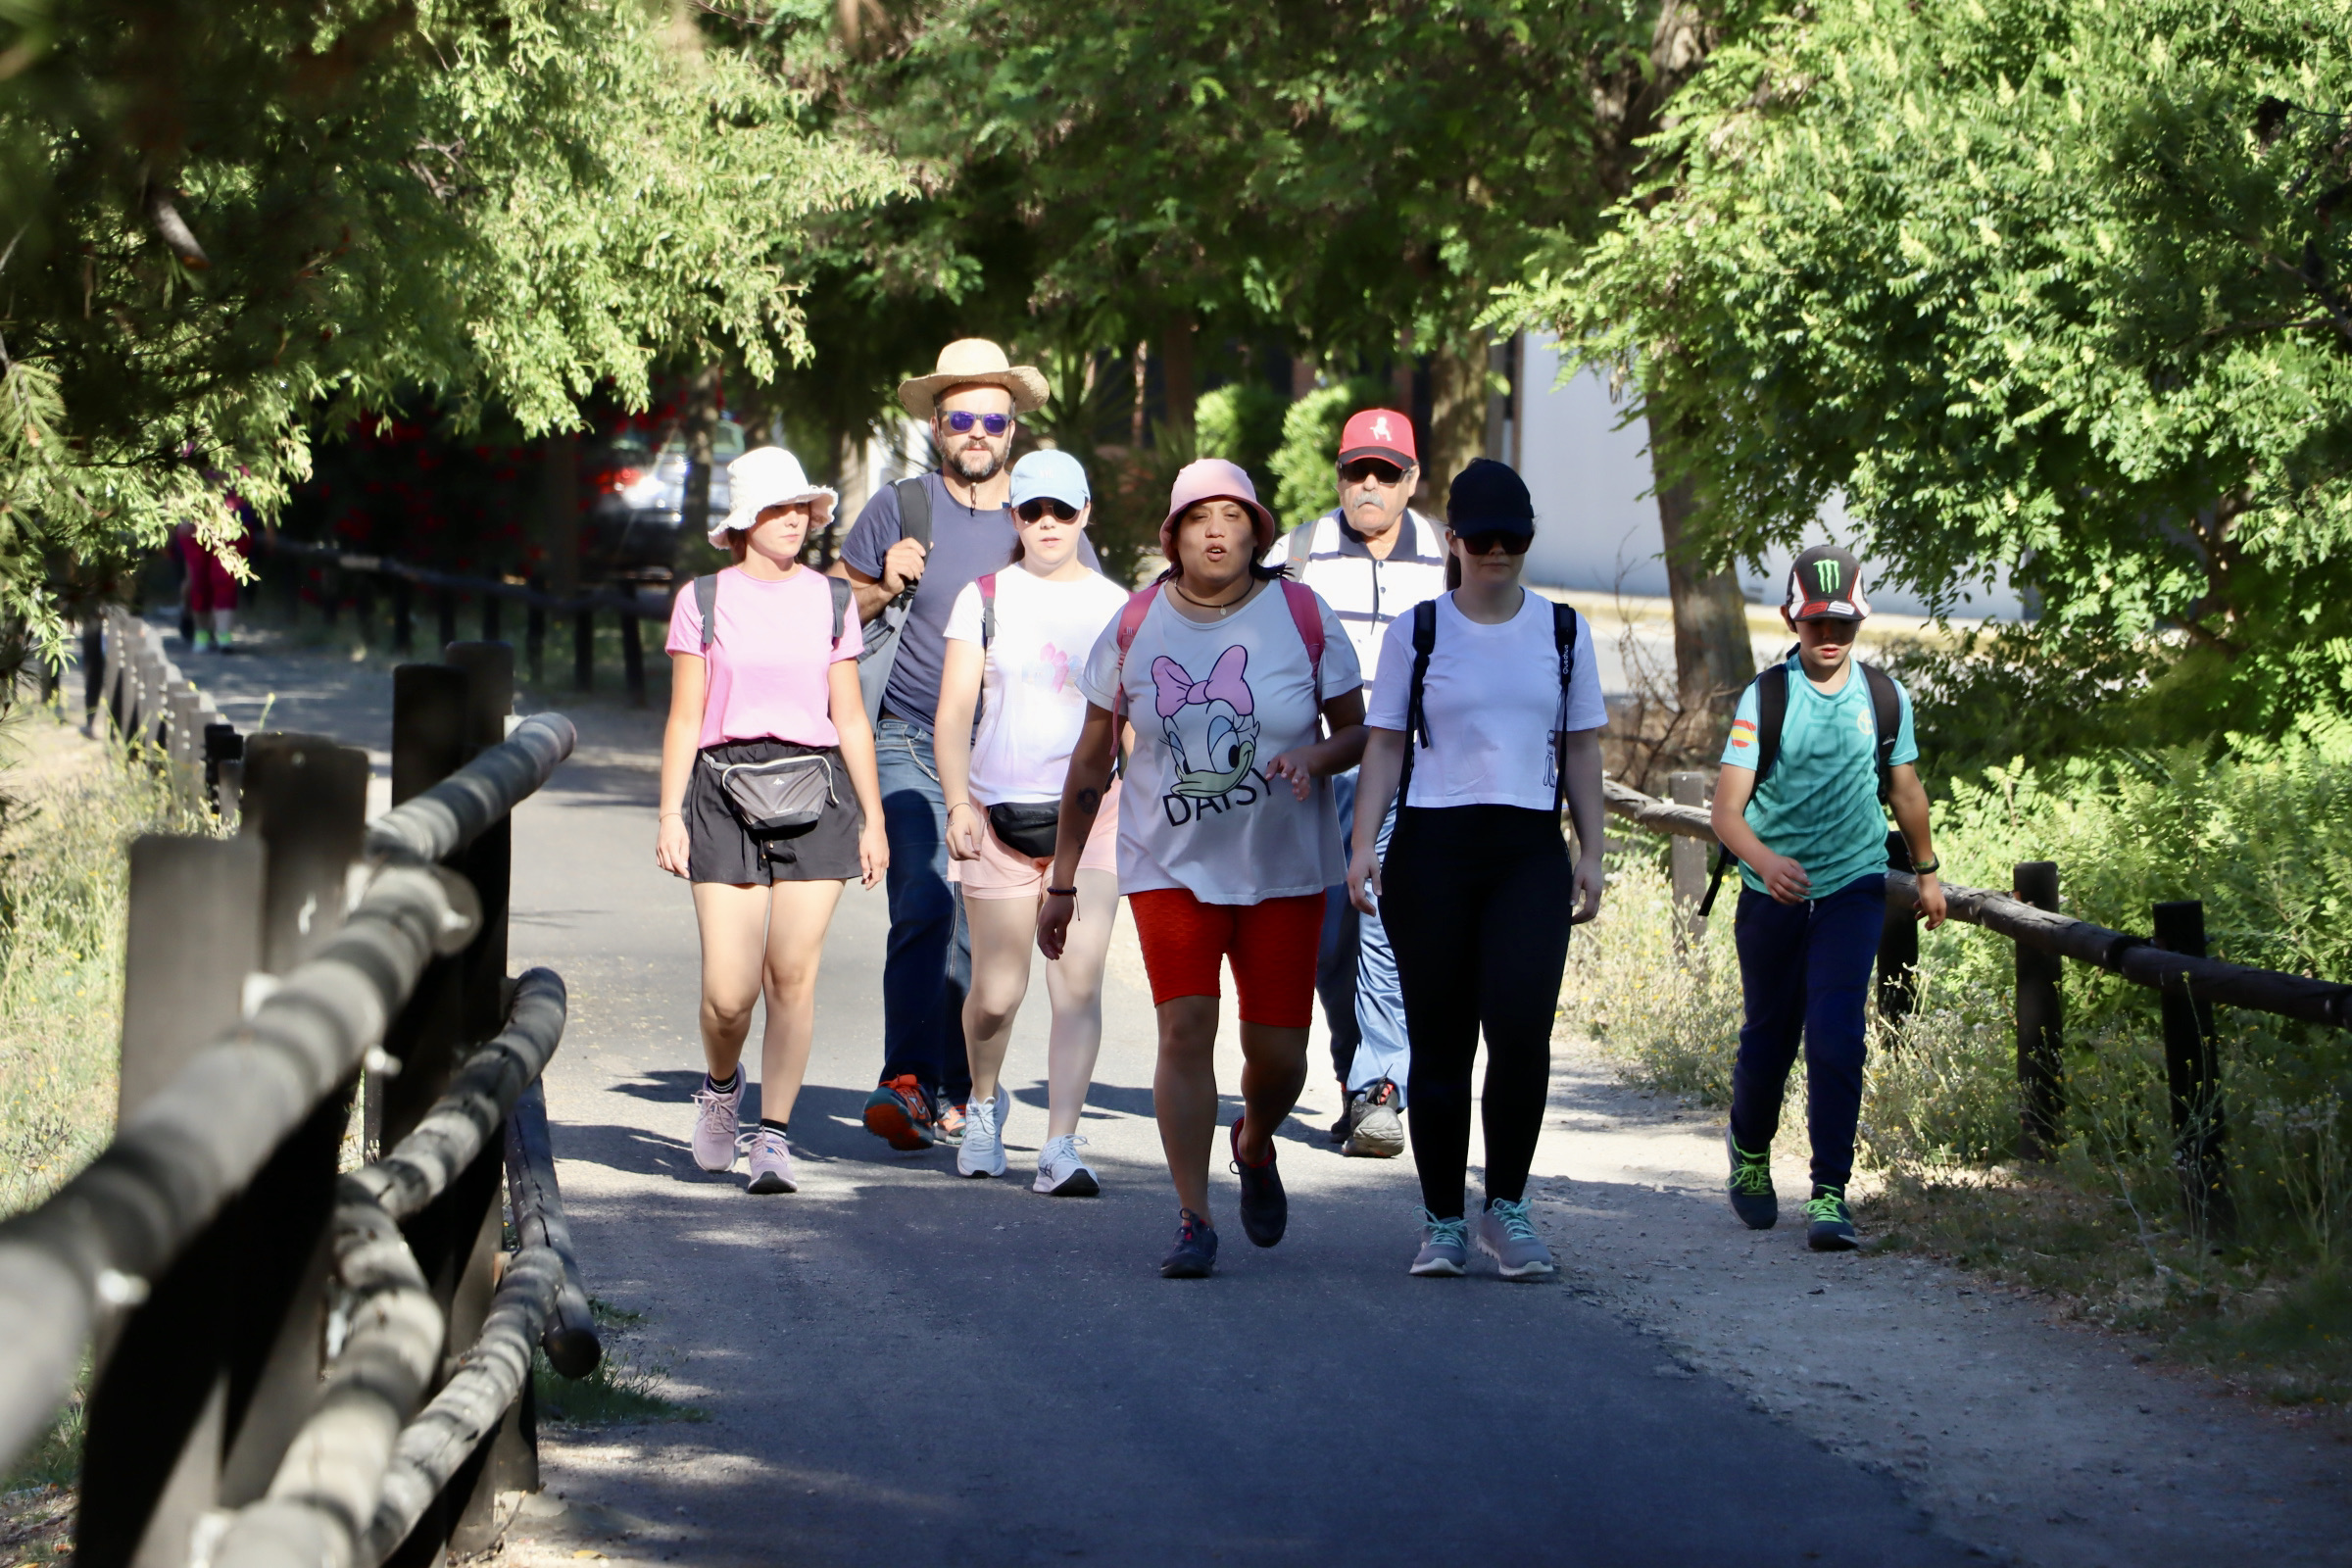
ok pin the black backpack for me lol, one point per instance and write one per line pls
(1772, 714)
(880, 653)
(1416, 715)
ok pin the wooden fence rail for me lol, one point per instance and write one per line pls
(2170, 962)
(288, 1364)
(374, 577)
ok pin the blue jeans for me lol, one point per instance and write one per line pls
(1804, 971)
(1355, 971)
(928, 968)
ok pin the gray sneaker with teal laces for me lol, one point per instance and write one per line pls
(1752, 1197)
(1830, 1224)
(1507, 1234)
(1444, 1248)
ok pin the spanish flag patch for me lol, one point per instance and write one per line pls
(1743, 734)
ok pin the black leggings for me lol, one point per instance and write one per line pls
(1476, 901)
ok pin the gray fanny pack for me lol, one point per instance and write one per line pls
(778, 795)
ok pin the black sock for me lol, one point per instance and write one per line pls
(775, 1126)
(733, 1082)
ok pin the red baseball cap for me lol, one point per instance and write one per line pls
(1379, 433)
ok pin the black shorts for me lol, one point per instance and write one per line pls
(719, 848)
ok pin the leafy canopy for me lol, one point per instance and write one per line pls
(219, 218)
(2055, 286)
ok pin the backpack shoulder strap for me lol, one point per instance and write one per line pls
(705, 605)
(1306, 613)
(1886, 712)
(914, 509)
(1130, 621)
(1772, 714)
(987, 611)
(1302, 541)
(1563, 643)
(843, 595)
(1416, 712)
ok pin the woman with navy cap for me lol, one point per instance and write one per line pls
(1487, 713)
(1016, 640)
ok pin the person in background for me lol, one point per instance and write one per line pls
(210, 593)
(1488, 707)
(1016, 641)
(1372, 558)
(973, 402)
(1227, 838)
(763, 659)
(1800, 801)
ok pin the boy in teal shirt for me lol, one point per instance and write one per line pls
(1811, 839)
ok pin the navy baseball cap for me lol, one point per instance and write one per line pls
(1490, 497)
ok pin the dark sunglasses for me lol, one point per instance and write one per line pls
(1486, 541)
(1372, 468)
(1031, 510)
(994, 423)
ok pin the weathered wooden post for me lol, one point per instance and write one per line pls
(404, 615)
(632, 655)
(2193, 1074)
(1899, 943)
(223, 768)
(583, 649)
(94, 669)
(209, 1381)
(534, 639)
(2041, 1023)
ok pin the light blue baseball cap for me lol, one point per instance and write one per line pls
(1049, 476)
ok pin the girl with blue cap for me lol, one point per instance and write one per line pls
(1016, 641)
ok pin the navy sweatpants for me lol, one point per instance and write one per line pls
(1805, 972)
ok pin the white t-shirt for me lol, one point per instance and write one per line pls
(1492, 698)
(1030, 708)
(1213, 706)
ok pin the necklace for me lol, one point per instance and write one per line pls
(1224, 608)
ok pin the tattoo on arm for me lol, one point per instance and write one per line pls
(1089, 800)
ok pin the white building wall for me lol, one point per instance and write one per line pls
(1596, 524)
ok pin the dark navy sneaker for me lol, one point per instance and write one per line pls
(1752, 1197)
(1833, 1224)
(1195, 1254)
(1265, 1207)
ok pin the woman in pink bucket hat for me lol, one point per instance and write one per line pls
(1228, 838)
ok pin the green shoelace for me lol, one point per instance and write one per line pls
(1829, 1205)
(1751, 1177)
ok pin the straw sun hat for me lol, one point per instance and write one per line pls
(769, 477)
(975, 362)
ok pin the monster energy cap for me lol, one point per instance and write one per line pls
(1825, 584)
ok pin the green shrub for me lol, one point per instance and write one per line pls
(1241, 423)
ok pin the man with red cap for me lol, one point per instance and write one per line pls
(1372, 558)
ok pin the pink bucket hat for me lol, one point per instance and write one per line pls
(1214, 479)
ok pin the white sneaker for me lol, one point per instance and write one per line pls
(982, 1153)
(771, 1164)
(715, 1118)
(1060, 1173)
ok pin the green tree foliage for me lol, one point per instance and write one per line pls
(2055, 286)
(217, 218)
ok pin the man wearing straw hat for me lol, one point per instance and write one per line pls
(911, 550)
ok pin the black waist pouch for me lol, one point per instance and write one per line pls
(1026, 827)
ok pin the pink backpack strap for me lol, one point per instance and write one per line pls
(1306, 613)
(1130, 621)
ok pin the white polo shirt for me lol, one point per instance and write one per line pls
(1364, 592)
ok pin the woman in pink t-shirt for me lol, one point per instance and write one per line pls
(770, 800)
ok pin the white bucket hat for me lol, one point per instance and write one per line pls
(769, 477)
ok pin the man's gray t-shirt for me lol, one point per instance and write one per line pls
(965, 545)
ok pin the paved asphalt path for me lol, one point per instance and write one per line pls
(900, 1364)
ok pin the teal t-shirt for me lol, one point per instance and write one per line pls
(1820, 807)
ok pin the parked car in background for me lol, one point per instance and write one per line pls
(633, 521)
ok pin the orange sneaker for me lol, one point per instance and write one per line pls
(900, 1111)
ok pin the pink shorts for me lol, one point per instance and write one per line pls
(1001, 873)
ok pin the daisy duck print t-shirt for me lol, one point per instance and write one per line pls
(1030, 709)
(1213, 704)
